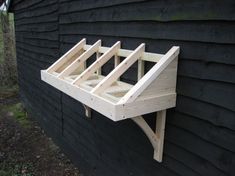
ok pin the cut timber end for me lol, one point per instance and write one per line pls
(115, 99)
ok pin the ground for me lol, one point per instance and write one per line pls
(25, 150)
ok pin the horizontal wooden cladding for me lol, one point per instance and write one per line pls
(22, 5)
(216, 93)
(36, 28)
(108, 144)
(147, 11)
(220, 158)
(34, 65)
(214, 32)
(36, 12)
(71, 6)
(205, 130)
(35, 58)
(38, 84)
(197, 164)
(39, 19)
(206, 71)
(40, 43)
(206, 52)
(51, 35)
(200, 165)
(47, 51)
(218, 116)
(40, 101)
(177, 167)
(37, 42)
(41, 114)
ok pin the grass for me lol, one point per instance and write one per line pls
(8, 92)
(16, 109)
(19, 114)
(17, 169)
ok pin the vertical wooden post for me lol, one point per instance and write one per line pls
(97, 57)
(140, 69)
(116, 62)
(160, 131)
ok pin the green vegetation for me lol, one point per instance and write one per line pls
(18, 112)
(8, 92)
(16, 169)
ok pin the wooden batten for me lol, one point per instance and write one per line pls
(67, 56)
(80, 60)
(119, 70)
(155, 90)
(97, 64)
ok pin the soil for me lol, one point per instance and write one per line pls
(25, 150)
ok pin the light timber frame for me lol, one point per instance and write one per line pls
(115, 99)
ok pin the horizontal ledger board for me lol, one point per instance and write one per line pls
(208, 52)
(198, 127)
(203, 149)
(148, 11)
(201, 31)
(206, 111)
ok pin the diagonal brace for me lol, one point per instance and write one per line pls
(156, 138)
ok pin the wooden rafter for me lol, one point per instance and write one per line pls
(119, 70)
(97, 64)
(80, 60)
(67, 56)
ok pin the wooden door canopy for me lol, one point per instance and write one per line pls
(112, 97)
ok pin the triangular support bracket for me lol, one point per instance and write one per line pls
(156, 137)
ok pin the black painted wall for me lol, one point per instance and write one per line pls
(200, 131)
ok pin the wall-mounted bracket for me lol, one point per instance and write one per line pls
(112, 97)
(155, 137)
(87, 111)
